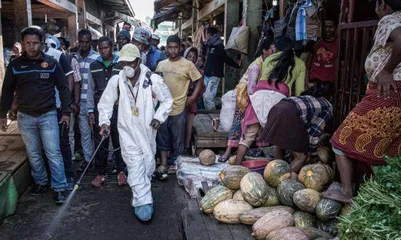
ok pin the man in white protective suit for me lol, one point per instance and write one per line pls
(135, 88)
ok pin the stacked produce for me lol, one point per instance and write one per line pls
(279, 204)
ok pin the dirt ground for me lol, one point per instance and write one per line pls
(103, 213)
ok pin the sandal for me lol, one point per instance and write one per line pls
(224, 158)
(161, 173)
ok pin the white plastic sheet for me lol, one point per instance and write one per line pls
(190, 174)
(239, 39)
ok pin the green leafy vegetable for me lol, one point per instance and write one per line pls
(376, 211)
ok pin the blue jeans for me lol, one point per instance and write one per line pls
(170, 136)
(212, 85)
(38, 132)
(86, 133)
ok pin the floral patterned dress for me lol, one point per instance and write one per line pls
(251, 76)
(373, 128)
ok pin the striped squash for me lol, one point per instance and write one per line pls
(213, 197)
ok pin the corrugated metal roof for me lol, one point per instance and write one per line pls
(161, 5)
(169, 10)
(122, 6)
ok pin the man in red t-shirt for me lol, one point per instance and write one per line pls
(324, 59)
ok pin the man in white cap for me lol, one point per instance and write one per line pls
(135, 88)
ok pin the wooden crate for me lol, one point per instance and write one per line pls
(204, 134)
(13, 158)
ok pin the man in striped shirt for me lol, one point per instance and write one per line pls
(85, 55)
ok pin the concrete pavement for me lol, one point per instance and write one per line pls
(103, 213)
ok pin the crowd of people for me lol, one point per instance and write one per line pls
(143, 102)
(125, 92)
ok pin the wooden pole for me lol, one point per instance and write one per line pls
(2, 70)
(81, 13)
(22, 17)
(231, 20)
(282, 8)
(29, 12)
(194, 20)
(72, 29)
(196, 15)
(351, 10)
(180, 25)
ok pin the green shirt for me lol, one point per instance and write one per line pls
(298, 73)
(107, 63)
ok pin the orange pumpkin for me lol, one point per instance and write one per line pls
(316, 176)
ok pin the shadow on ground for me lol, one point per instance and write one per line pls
(103, 213)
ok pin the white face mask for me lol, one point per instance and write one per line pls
(129, 72)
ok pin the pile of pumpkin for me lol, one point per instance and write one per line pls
(280, 205)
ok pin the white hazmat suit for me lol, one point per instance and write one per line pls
(137, 137)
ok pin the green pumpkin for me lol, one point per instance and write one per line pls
(327, 209)
(215, 196)
(328, 227)
(271, 198)
(276, 171)
(231, 176)
(254, 189)
(303, 219)
(286, 190)
(307, 199)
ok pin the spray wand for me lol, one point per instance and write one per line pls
(78, 183)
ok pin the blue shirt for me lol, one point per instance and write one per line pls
(153, 57)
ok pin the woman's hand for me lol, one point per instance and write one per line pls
(385, 82)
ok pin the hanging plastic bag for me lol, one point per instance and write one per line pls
(227, 111)
(239, 39)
